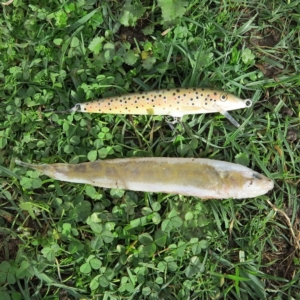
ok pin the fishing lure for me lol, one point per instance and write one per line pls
(203, 178)
(172, 102)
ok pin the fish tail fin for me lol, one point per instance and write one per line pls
(28, 165)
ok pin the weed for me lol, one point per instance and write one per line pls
(61, 240)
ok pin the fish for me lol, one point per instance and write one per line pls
(167, 102)
(198, 177)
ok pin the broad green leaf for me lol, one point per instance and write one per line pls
(194, 268)
(189, 216)
(94, 284)
(102, 153)
(148, 30)
(162, 67)
(146, 211)
(181, 248)
(156, 218)
(82, 210)
(160, 238)
(85, 268)
(146, 291)
(104, 282)
(66, 229)
(97, 228)
(130, 57)
(176, 222)
(74, 42)
(109, 51)
(4, 295)
(4, 266)
(162, 265)
(172, 213)
(156, 206)
(190, 271)
(58, 41)
(203, 244)
(145, 238)
(50, 252)
(92, 155)
(97, 242)
(242, 159)
(159, 280)
(196, 249)
(166, 225)
(75, 140)
(137, 223)
(4, 269)
(68, 149)
(107, 236)
(28, 207)
(91, 192)
(25, 182)
(148, 63)
(248, 57)
(95, 263)
(75, 246)
(11, 279)
(3, 142)
(172, 9)
(22, 271)
(98, 143)
(36, 183)
(172, 266)
(61, 18)
(183, 149)
(96, 20)
(131, 13)
(149, 249)
(117, 193)
(96, 45)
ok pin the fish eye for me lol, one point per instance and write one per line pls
(223, 97)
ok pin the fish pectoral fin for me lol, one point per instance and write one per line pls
(227, 115)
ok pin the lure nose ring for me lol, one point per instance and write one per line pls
(248, 102)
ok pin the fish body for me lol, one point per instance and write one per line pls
(172, 102)
(203, 178)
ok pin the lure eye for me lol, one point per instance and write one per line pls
(223, 97)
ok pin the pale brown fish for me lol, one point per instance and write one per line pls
(203, 178)
(171, 102)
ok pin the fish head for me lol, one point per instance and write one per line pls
(219, 101)
(249, 184)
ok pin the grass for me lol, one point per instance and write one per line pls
(70, 241)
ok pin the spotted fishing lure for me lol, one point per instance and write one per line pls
(169, 102)
(198, 177)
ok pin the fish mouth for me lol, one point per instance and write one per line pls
(261, 184)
